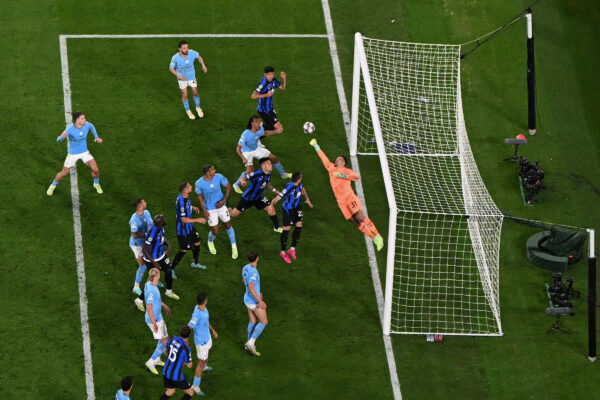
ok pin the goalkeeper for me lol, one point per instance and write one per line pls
(341, 179)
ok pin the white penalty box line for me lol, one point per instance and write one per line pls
(66, 81)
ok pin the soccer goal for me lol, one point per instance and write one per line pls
(444, 228)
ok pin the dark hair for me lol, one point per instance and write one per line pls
(76, 115)
(185, 332)
(345, 160)
(201, 298)
(137, 202)
(126, 383)
(182, 43)
(263, 160)
(206, 168)
(252, 256)
(159, 219)
(183, 186)
(252, 118)
(296, 176)
(268, 68)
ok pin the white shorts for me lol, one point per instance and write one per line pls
(71, 159)
(251, 307)
(218, 214)
(203, 350)
(162, 330)
(184, 84)
(137, 251)
(259, 153)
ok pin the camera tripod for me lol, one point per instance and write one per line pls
(556, 326)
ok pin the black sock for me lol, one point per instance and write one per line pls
(196, 252)
(274, 220)
(296, 236)
(141, 296)
(283, 238)
(186, 397)
(169, 278)
(164, 397)
(177, 258)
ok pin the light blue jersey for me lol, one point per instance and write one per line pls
(78, 137)
(140, 224)
(185, 65)
(211, 190)
(199, 322)
(121, 396)
(250, 140)
(152, 297)
(251, 275)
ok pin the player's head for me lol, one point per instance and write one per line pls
(209, 170)
(153, 275)
(185, 332)
(202, 298)
(127, 383)
(341, 161)
(184, 47)
(185, 188)
(253, 257)
(79, 118)
(297, 177)
(265, 164)
(254, 122)
(269, 73)
(140, 204)
(159, 220)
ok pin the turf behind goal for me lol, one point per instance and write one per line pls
(444, 228)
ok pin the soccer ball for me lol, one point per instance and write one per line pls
(308, 127)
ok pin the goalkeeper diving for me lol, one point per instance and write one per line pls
(341, 179)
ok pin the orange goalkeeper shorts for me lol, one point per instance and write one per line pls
(350, 205)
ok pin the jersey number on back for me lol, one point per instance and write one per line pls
(173, 354)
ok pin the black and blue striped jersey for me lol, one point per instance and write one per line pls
(178, 353)
(183, 208)
(291, 195)
(258, 182)
(155, 239)
(265, 104)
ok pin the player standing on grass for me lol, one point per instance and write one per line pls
(249, 147)
(264, 93)
(139, 225)
(178, 355)
(126, 386)
(187, 236)
(77, 135)
(257, 308)
(202, 329)
(182, 66)
(253, 196)
(154, 319)
(341, 179)
(213, 204)
(292, 214)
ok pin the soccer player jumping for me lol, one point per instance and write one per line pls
(341, 179)
(264, 93)
(182, 66)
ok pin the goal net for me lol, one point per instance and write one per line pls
(444, 229)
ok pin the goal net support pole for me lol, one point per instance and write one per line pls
(592, 298)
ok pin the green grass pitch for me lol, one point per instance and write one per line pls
(324, 339)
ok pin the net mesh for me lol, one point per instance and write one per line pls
(448, 227)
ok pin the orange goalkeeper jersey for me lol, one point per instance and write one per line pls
(342, 188)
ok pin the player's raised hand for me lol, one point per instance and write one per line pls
(196, 209)
(98, 140)
(282, 74)
(313, 143)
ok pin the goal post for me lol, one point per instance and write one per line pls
(444, 229)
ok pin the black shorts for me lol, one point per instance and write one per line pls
(170, 384)
(260, 204)
(164, 263)
(293, 217)
(269, 120)
(186, 242)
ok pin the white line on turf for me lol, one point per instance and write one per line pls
(359, 191)
(83, 309)
(198, 35)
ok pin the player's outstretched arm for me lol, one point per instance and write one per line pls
(276, 131)
(284, 79)
(62, 136)
(305, 194)
(326, 163)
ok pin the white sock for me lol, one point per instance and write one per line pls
(251, 341)
(168, 291)
(136, 285)
(150, 361)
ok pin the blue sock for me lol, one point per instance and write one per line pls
(139, 275)
(250, 329)
(231, 234)
(211, 236)
(197, 101)
(258, 330)
(186, 104)
(160, 347)
(196, 381)
(279, 168)
(54, 183)
(96, 181)
(238, 181)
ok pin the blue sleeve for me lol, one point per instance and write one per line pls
(261, 85)
(261, 132)
(242, 139)
(276, 83)
(188, 353)
(287, 189)
(195, 54)
(193, 321)
(198, 189)
(173, 63)
(255, 174)
(224, 181)
(93, 129)
(151, 235)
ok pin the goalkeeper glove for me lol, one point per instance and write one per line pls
(340, 175)
(314, 144)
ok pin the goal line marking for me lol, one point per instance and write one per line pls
(199, 35)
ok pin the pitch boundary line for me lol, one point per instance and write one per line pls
(83, 303)
(198, 35)
(359, 191)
